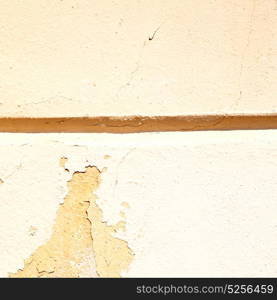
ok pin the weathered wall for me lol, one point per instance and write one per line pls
(128, 57)
(160, 204)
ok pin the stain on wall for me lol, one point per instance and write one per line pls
(112, 254)
(81, 244)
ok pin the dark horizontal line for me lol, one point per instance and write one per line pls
(133, 124)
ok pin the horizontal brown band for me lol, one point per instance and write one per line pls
(133, 124)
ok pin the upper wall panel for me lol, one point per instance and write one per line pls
(125, 57)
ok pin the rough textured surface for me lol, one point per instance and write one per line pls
(69, 252)
(77, 235)
(186, 204)
(178, 204)
(112, 254)
(128, 57)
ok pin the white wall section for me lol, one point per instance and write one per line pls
(193, 204)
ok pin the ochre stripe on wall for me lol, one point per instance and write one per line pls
(133, 124)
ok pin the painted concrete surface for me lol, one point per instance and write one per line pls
(126, 57)
(156, 204)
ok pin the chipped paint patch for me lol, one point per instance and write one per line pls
(112, 254)
(81, 245)
(70, 244)
(63, 161)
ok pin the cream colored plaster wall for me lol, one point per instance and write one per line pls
(173, 204)
(161, 204)
(126, 57)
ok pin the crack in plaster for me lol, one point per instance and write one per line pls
(81, 245)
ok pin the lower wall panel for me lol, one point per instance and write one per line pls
(188, 204)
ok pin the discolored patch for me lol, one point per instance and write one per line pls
(63, 161)
(81, 245)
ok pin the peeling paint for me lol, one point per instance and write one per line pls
(155, 186)
(63, 161)
(81, 245)
(125, 204)
(112, 254)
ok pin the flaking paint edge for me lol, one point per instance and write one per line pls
(81, 245)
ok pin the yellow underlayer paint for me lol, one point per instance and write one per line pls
(112, 254)
(81, 244)
(63, 161)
